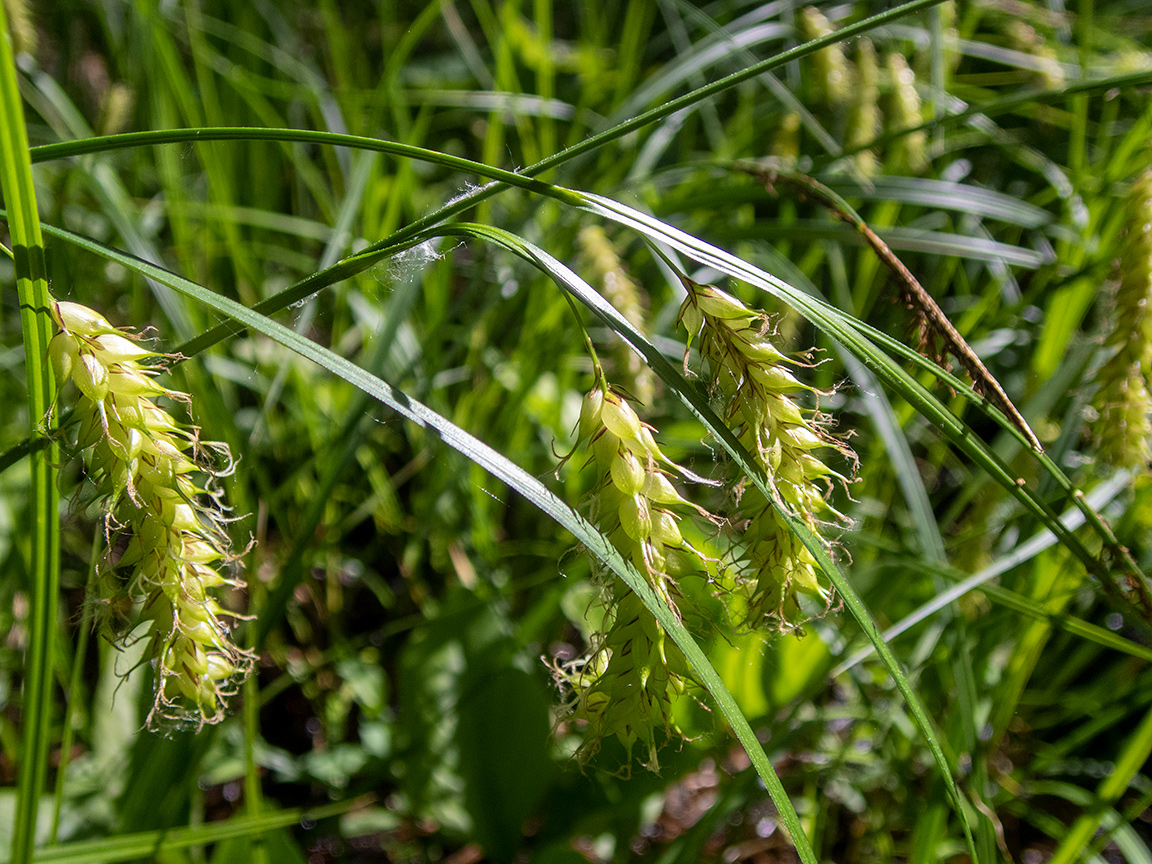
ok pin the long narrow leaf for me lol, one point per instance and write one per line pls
(153, 845)
(44, 573)
(699, 406)
(516, 477)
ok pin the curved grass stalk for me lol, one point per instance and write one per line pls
(44, 575)
(855, 335)
(517, 478)
(401, 239)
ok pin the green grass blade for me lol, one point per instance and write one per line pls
(919, 191)
(1131, 760)
(44, 575)
(505, 470)
(1027, 550)
(157, 845)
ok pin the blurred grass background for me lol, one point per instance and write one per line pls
(404, 671)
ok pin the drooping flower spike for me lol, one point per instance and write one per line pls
(634, 672)
(163, 529)
(784, 438)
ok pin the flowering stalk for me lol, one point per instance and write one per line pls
(634, 673)
(783, 438)
(1123, 401)
(162, 528)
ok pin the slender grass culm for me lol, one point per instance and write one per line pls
(162, 528)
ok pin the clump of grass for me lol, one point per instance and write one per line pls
(163, 530)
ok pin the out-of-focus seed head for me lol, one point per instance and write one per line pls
(1123, 403)
(833, 75)
(786, 140)
(908, 151)
(864, 120)
(629, 298)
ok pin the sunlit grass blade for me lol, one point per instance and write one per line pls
(1131, 759)
(44, 573)
(158, 844)
(924, 192)
(503, 469)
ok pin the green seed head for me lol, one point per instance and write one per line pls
(784, 438)
(1122, 401)
(140, 460)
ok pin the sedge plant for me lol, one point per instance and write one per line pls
(408, 543)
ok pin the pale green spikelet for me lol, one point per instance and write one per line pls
(833, 74)
(773, 567)
(786, 140)
(864, 121)
(908, 152)
(629, 298)
(116, 107)
(166, 533)
(1122, 400)
(633, 674)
